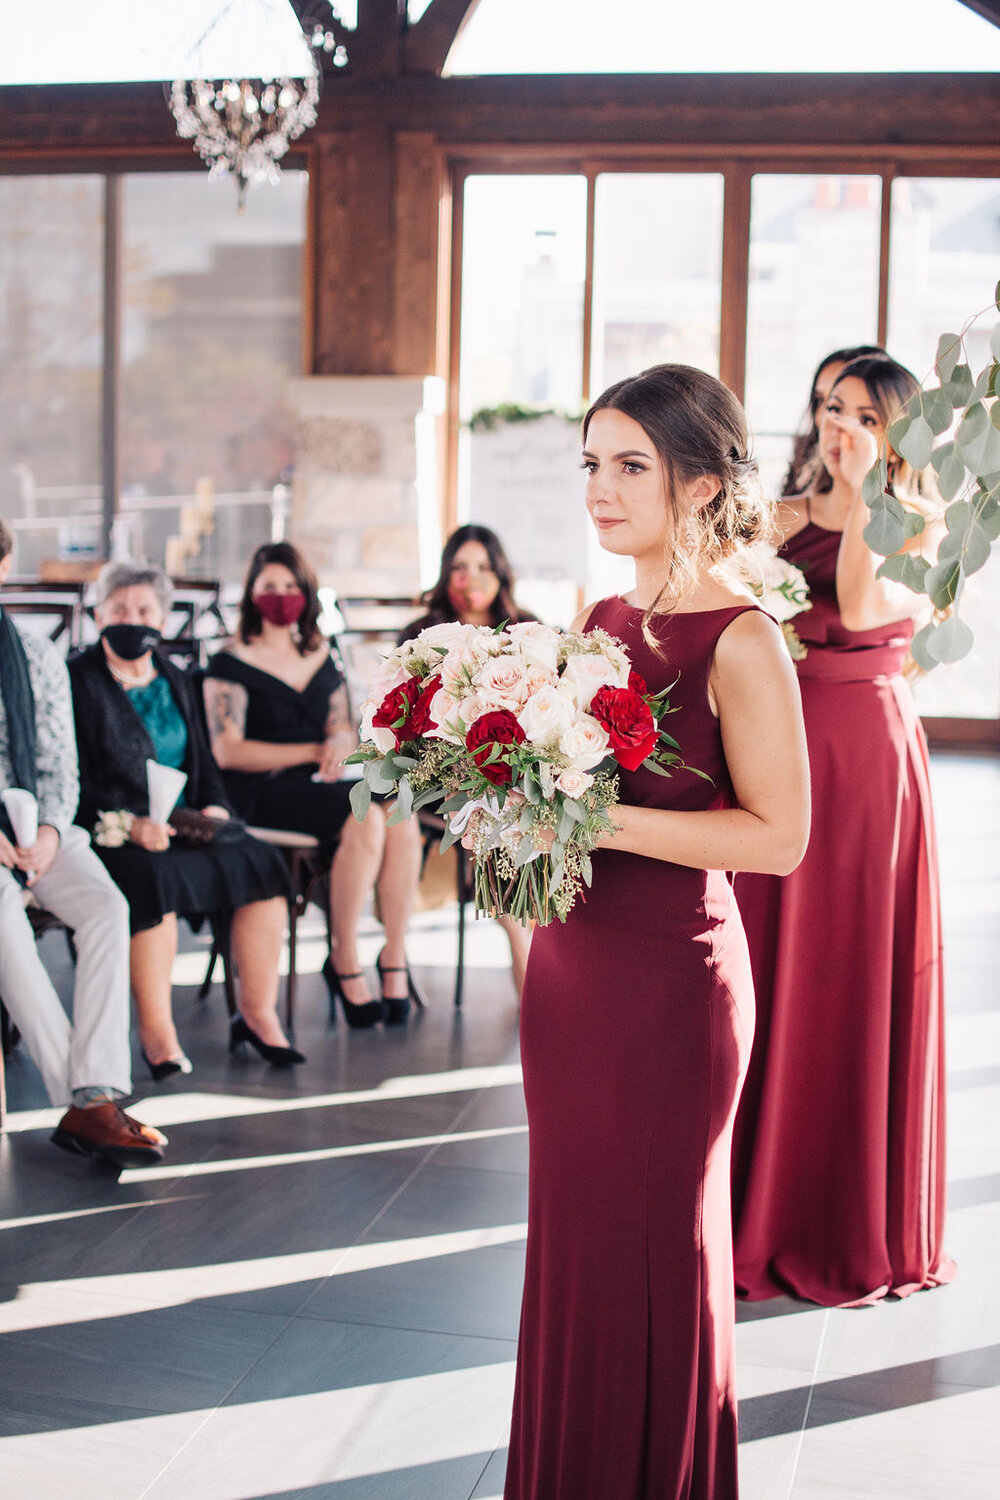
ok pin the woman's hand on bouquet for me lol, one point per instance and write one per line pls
(149, 835)
(35, 861)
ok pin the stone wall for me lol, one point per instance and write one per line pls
(365, 487)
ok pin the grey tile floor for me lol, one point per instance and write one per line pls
(315, 1297)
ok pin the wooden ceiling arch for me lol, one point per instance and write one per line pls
(387, 45)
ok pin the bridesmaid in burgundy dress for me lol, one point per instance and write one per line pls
(638, 1012)
(838, 1156)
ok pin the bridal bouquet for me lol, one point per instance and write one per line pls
(781, 590)
(515, 736)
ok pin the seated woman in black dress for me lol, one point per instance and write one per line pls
(280, 726)
(132, 705)
(475, 587)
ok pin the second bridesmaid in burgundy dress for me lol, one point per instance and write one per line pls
(838, 1155)
(638, 1012)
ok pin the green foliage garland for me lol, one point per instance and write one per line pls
(955, 427)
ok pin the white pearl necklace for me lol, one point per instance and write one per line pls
(126, 681)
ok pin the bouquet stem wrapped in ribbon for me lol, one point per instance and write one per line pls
(516, 737)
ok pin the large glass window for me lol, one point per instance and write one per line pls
(814, 272)
(51, 354)
(657, 272)
(211, 333)
(209, 306)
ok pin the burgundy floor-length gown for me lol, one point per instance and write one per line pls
(636, 1026)
(838, 1153)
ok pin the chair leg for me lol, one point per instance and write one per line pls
(206, 983)
(462, 883)
(293, 922)
(222, 941)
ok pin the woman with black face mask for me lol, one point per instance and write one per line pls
(132, 705)
(280, 726)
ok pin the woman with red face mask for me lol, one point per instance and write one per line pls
(280, 727)
(475, 587)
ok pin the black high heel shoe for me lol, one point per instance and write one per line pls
(167, 1068)
(397, 1008)
(281, 1057)
(360, 1017)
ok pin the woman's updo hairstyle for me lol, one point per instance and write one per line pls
(697, 427)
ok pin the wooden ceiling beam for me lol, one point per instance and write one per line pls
(988, 9)
(427, 44)
(881, 111)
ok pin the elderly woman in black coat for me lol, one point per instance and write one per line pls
(132, 705)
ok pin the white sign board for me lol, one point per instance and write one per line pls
(527, 486)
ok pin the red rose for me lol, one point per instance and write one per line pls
(498, 728)
(420, 719)
(397, 708)
(631, 727)
(637, 682)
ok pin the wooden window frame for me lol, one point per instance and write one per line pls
(737, 166)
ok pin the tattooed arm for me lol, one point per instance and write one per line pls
(226, 712)
(341, 736)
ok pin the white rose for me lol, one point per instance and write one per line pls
(584, 743)
(445, 712)
(458, 668)
(574, 782)
(536, 677)
(379, 735)
(474, 705)
(389, 676)
(450, 635)
(537, 642)
(546, 716)
(504, 678)
(583, 675)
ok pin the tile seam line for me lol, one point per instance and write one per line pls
(809, 1401)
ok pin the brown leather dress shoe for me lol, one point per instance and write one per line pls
(105, 1130)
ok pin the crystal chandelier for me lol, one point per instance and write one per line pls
(242, 127)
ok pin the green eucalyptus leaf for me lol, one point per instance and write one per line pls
(936, 409)
(995, 341)
(361, 800)
(972, 425)
(895, 433)
(405, 797)
(918, 649)
(996, 296)
(949, 350)
(941, 455)
(984, 379)
(959, 388)
(958, 517)
(951, 475)
(988, 512)
(992, 376)
(983, 456)
(995, 414)
(904, 568)
(874, 482)
(969, 544)
(942, 583)
(917, 443)
(894, 507)
(375, 779)
(524, 852)
(950, 641)
(884, 534)
(914, 524)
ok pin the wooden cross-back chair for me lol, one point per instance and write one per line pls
(57, 607)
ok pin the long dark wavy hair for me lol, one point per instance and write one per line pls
(804, 470)
(436, 601)
(697, 427)
(890, 385)
(306, 634)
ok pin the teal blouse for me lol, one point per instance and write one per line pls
(164, 723)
